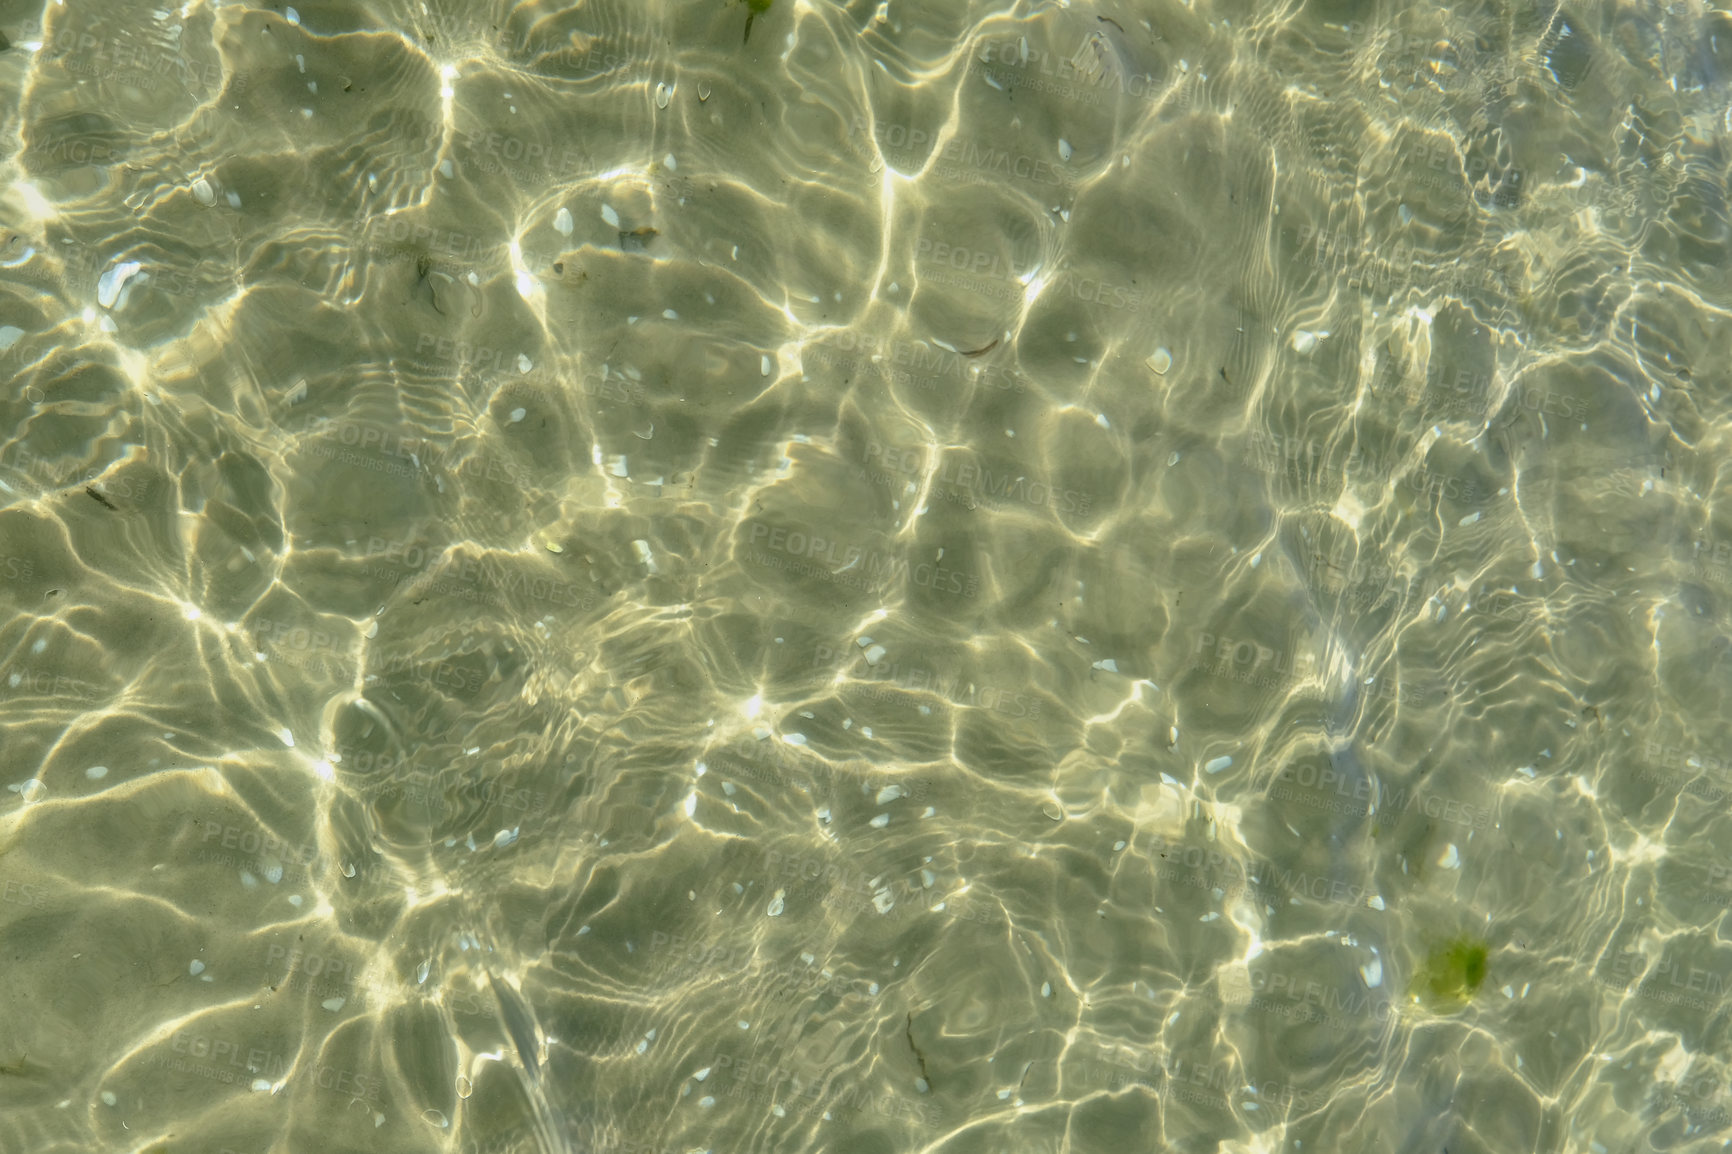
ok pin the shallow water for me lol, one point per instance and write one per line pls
(865, 577)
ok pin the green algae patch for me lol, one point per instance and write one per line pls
(1452, 974)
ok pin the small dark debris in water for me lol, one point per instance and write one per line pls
(5, 43)
(756, 7)
(1224, 374)
(424, 280)
(348, 85)
(919, 1057)
(637, 240)
(1114, 23)
(55, 592)
(103, 501)
(982, 351)
(558, 268)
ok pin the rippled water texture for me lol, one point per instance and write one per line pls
(865, 577)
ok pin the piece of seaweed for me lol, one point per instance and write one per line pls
(1453, 972)
(755, 7)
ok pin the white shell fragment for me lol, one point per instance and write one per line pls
(109, 286)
